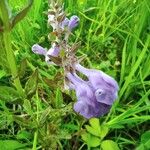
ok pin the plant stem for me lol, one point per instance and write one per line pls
(35, 140)
(8, 48)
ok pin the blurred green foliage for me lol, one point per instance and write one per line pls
(115, 37)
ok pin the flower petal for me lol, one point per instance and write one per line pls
(37, 49)
(74, 20)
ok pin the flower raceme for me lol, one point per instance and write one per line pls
(58, 26)
(96, 95)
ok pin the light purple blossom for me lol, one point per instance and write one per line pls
(74, 20)
(81, 88)
(95, 95)
(53, 51)
(64, 23)
(86, 104)
(37, 49)
(104, 86)
(70, 24)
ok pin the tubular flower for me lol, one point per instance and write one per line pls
(86, 104)
(74, 20)
(37, 49)
(105, 87)
(64, 23)
(70, 24)
(53, 51)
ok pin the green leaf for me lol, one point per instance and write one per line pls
(31, 84)
(3, 59)
(109, 145)
(97, 129)
(52, 36)
(11, 145)
(8, 94)
(44, 116)
(141, 147)
(145, 136)
(104, 131)
(147, 144)
(22, 68)
(20, 15)
(24, 135)
(27, 106)
(2, 73)
(62, 53)
(91, 141)
(94, 122)
(145, 140)
(92, 130)
(59, 98)
(63, 134)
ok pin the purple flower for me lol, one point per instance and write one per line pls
(88, 111)
(37, 49)
(74, 20)
(82, 89)
(86, 104)
(53, 51)
(105, 87)
(69, 24)
(64, 23)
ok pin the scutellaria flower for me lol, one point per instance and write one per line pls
(105, 87)
(53, 51)
(87, 104)
(96, 95)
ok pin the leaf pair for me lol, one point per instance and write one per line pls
(95, 134)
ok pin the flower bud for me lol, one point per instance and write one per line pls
(74, 20)
(37, 49)
(64, 23)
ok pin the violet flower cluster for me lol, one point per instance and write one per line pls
(95, 95)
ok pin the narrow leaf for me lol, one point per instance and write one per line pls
(31, 84)
(59, 98)
(20, 15)
(22, 68)
(8, 94)
(27, 106)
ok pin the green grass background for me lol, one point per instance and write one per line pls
(115, 37)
